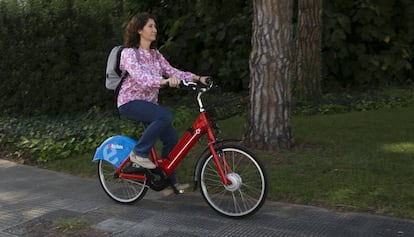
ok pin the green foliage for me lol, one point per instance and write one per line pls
(41, 139)
(367, 44)
(44, 138)
(358, 101)
(52, 62)
(213, 42)
(183, 116)
(53, 53)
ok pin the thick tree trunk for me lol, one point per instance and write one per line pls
(271, 69)
(309, 38)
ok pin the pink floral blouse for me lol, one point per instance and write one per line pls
(143, 81)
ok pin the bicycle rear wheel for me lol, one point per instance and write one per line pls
(119, 189)
(248, 189)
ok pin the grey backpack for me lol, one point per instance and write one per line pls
(114, 75)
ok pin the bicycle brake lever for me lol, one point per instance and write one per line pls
(209, 80)
(188, 85)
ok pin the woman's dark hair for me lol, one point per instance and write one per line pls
(136, 23)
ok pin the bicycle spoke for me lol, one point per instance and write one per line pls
(247, 190)
(120, 189)
(236, 205)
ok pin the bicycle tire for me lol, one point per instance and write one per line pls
(119, 189)
(249, 190)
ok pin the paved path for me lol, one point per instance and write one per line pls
(33, 199)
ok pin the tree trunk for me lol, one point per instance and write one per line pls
(308, 49)
(271, 69)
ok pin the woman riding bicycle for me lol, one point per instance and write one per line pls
(138, 95)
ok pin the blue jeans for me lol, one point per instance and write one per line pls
(159, 121)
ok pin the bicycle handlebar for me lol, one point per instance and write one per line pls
(188, 85)
(192, 86)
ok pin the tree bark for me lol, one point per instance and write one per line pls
(271, 70)
(308, 49)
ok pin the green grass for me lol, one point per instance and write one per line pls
(356, 161)
(81, 165)
(360, 161)
(68, 225)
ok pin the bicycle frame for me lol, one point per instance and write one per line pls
(201, 126)
(231, 178)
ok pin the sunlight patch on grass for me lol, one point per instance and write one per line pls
(344, 195)
(404, 147)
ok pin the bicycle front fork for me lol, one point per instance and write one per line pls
(220, 160)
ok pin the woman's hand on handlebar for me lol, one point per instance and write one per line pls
(177, 83)
(171, 82)
(205, 80)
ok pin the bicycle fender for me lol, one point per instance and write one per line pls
(114, 150)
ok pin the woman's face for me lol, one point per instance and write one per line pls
(149, 32)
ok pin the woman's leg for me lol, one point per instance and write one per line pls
(160, 127)
(159, 121)
(169, 139)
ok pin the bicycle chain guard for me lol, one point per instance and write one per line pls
(156, 179)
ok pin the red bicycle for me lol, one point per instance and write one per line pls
(232, 179)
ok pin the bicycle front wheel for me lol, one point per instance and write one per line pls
(119, 189)
(248, 189)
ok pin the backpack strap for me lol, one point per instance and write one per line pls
(123, 76)
(125, 73)
(136, 53)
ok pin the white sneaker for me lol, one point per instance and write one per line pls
(141, 161)
(181, 187)
(167, 191)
